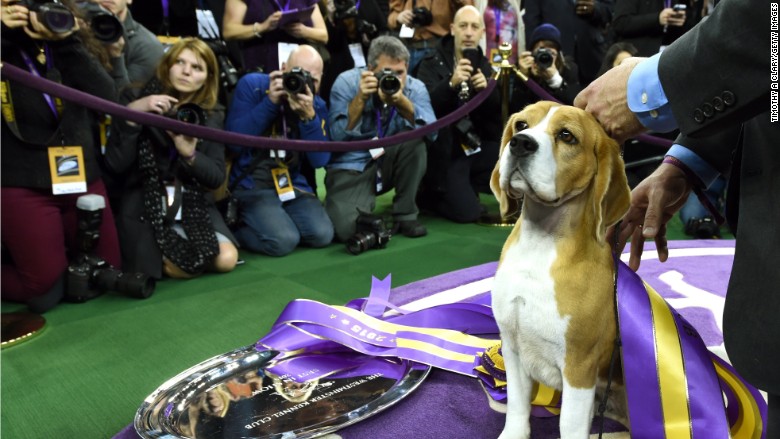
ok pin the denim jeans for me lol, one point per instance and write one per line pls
(275, 228)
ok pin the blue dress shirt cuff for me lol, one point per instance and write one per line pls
(701, 168)
(646, 97)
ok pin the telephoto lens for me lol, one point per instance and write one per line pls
(191, 113)
(543, 58)
(54, 15)
(296, 80)
(105, 25)
(360, 242)
(389, 82)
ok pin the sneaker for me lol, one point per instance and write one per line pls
(412, 229)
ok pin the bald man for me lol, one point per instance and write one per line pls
(458, 168)
(278, 209)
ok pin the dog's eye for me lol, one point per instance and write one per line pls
(520, 125)
(567, 137)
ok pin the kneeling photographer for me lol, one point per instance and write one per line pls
(49, 153)
(462, 158)
(167, 219)
(547, 66)
(278, 209)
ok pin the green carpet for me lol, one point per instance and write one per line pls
(88, 372)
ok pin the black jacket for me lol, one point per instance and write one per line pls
(435, 72)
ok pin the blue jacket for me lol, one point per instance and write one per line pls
(253, 113)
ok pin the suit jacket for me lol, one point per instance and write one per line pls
(732, 89)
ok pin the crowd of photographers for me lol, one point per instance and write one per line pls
(166, 203)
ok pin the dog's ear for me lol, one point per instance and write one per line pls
(612, 192)
(506, 205)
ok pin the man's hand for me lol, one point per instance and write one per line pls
(368, 85)
(461, 73)
(653, 203)
(606, 98)
(478, 81)
(405, 17)
(276, 87)
(302, 104)
(670, 17)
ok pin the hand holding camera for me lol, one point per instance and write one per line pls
(300, 88)
(49, 21)
(276, 89)
(14, 15)
(674, 16)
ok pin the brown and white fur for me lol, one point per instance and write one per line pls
(553, 291)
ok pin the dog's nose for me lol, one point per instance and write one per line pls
(522, 145)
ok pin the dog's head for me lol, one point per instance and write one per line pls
(552, 153)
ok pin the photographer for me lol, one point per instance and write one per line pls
(351, 27)
(652, 25)
(548, 66)
(429, 19)
(376, 102)
(154, 165)
(135, 55)
(462, 158)
(49, 155)
(277, 207)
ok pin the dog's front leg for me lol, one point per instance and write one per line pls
(576, 411)
(518, 390)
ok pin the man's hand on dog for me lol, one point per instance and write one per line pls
(606, 99)
(653, 203)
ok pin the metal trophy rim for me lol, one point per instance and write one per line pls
(153, 418)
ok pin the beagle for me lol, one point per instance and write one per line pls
(553, 290)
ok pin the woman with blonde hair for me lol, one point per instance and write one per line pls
(185, 235)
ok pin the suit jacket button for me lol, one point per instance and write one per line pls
(728, 98)
(718, 104)
(698, 116)
(707, 109)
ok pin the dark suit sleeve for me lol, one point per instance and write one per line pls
(728, 78)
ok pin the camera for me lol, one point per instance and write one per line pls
(344, 9)
(389, 82)
(544, 58)
(468, 135)
(366, 28)
(421, 17)
(190, 113)
(296, 80)
(52, 14)
(104, 24)
(371, 233)
(228, 75)
(474, 55)
(680, 7)
(89, 276)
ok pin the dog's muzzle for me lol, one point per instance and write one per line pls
(522, 145)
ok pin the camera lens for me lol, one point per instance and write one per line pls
(191, 113)
(361, 242)
(293, 84)
(106, 27)
(390, 84)
(136, 285)
(543, 58)
(57, 18)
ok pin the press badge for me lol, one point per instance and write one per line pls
(406, 32)
(356, 50)
(283, 183)
(469, 150)
(376, 152)
(68, 174)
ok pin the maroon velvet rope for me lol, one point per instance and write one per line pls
(103, 106)
(544, 94)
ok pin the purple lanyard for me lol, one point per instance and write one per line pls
(497, 16)
(667, 4)
(34, 71)
(379, 131)
(165, 8)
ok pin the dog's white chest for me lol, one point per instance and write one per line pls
(525, 306)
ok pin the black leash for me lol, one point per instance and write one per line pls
(616, 346)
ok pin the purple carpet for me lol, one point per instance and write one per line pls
(447, 405)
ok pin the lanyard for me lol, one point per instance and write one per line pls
(667, 4)
(380, 132)
(34, 71)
